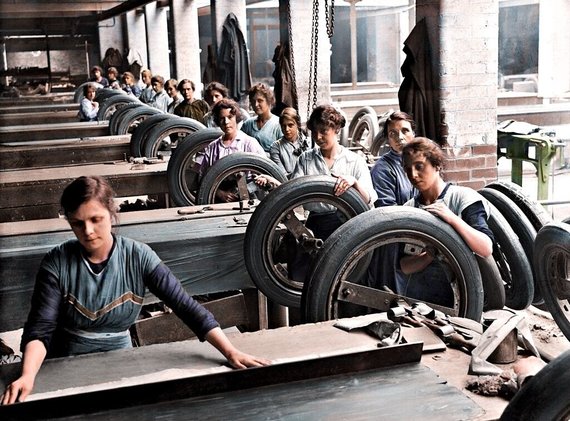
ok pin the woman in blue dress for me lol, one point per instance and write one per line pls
(90, 290)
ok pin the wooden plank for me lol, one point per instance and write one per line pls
(204, 251)
(24, 133)
(49, 117)
(24, 190)
(52, 153)
(31, 109)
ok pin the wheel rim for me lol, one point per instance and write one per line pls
(282, 226)
(188, 175)
(557, 267)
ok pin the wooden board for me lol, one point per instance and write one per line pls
(24, 133)
(35, 194)
(64, 152)
(31, 109)
(39, 117)
(205, 251)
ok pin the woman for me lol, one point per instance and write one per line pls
(227, 116)
(97, 76)
(461, 207)
(265, 125)
(90, 290)
(130, 86)
(286, 151)
(171, 88)
(88, 108)
(190, 107)
(113, 78)
(214, 92)
(388, 176)
(393, 188)
(160, 98)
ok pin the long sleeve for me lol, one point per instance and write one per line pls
(87, 112)
(162, 283)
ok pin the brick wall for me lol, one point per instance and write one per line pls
(468, 69)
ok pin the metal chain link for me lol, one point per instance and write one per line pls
(312, 93)
(329, 17)
(291, 51)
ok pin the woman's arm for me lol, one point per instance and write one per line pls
(238, 359)
(17, 391)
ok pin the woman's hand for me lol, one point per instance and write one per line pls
(18, 390)
(266, 181)
(343, 183)
(239, 359)
(440, 209)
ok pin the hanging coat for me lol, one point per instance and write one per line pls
(419, 92)
(233, 61)
(285, 90)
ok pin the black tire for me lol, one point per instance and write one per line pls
(109, 105)
(364, 111)
(494, 297)
(566, 220)
(533, 210)
(515, 267)
(546, 396)
(78, 94)
(250, 163)
(179, 126)
(140, 133)
(514, 243)
(327, 292)
(133, 117)
(263, 231)
(365, 131)
(181, 174)
(117, 116)
(552, 261)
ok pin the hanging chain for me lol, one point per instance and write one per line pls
(329, 17)
(312, 93)
(291, 53)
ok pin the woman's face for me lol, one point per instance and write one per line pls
(399, 133)
(420, 171)
(290, 130)
(216, 96)
(187, 92)
(260, 105)
(128, 80)
(171, 91)
(157, 86)
(90, 94)
(228, 123)
(146, 78)
(91, 224)
(325, 138)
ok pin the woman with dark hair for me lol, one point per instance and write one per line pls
(227, 116)
(215, 91)
(90, 290)
(265, 125)
(191, 107)
(88, 108)
(461, 207)
(286, 151)
(171, 88)
(97, 76)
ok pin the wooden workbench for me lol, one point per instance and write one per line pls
(409, 391)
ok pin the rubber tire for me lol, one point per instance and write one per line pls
(494, 297)
(523, 231)
(520, 285)
(240, 161)
(180, 193)
(367, 110)
(367, 122)
(353, 237)
(139, 134)
(533, 210)
(289, 195)
(544, 396)
(78, 93)
(158, 132)
(138, 114)
(117, 116)
(566, 220)
(551, 258)
(108, 106)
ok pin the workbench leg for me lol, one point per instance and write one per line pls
(516, 171)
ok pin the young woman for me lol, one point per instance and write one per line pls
(461, 207)
(265, 125)
(97, 76)
(130, 85)
(171, 88)
(89, 108)
(160, 98)
(191, 107)
(286, 151)
(90, 290)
